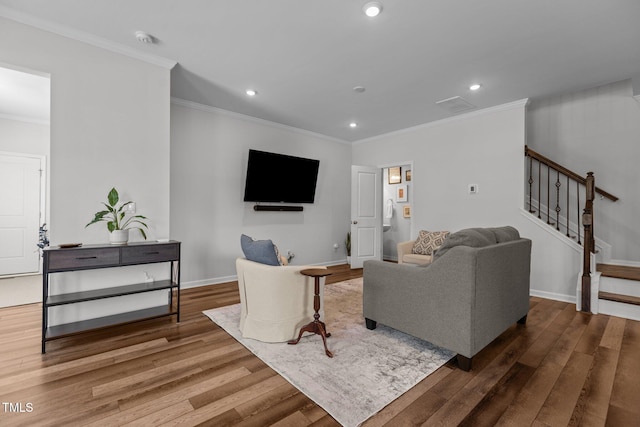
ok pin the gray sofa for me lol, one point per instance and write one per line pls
(475, 288)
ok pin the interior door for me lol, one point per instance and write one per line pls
(366, 214)
(19, 214)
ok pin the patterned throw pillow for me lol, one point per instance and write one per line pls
(428, 241)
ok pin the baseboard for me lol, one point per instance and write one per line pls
(227, 279)
(553, 296)
(206, 282)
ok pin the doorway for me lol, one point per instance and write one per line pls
(24, 186)
(396, 208)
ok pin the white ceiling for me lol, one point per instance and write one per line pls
(304, 57)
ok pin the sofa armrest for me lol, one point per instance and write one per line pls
(434, 303)
(502, 289)
(403, 249)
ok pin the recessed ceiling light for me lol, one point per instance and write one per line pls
(359, 89)
(373, 8)
(353, 125)
(143, 37)
(251, 92)
(475, 86)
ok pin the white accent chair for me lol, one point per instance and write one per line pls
(275, 301)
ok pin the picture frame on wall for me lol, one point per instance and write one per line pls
(406, 211)
(401, 193)
(395, 175)
(407, 175)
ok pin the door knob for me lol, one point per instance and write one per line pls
(354, 222)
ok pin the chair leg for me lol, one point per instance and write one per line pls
(464, 362)
(371, 324)
(523, 320)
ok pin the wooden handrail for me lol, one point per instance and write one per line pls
(545, 160)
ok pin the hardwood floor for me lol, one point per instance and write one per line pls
(562, 368)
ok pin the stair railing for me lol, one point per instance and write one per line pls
(575, 184)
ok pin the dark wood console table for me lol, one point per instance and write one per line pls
(90, 257)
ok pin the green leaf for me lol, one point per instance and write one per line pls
(143, 233)
(110, 209)
(111, 226)
(113, 197)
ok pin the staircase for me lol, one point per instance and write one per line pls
(619, 290)
(554, 197)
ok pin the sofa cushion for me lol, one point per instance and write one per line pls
(505, 234)
(262, 251)
(428, 241)
(417, 259)
(472, 237)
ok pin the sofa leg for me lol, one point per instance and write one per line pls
(371, 324)
(523, 321)
(464, 362)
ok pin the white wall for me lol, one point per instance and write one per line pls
(597, 130)
(24, 137)
(109, 127)
(209, 150)
(484, 148)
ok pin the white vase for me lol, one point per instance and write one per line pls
(119, 237)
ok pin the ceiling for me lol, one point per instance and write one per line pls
(304, 58)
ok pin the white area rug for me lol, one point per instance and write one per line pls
(369, 369)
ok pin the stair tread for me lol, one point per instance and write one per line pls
(619, 298)
(619, 271)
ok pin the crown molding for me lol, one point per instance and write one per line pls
(210, 109)
(87, 38)
(24, 119)
(465, 116)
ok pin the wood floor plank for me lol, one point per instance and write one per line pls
(559, 406)
(625, 394)
(593, 402)
(143, 409)
(562, 368)
(613, 333)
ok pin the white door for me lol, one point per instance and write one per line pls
(366, 214)
(19, 214)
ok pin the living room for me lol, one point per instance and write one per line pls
(184, 164)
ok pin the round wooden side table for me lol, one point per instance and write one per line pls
(316, 327)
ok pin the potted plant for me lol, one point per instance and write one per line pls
(117, 221)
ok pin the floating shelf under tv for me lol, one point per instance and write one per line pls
(277, 208)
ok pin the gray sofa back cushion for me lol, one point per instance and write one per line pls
(477, 238)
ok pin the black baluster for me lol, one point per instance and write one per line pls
(568, 210)
(530, 183)
(548, 195)
(539, 189)
(558, 201)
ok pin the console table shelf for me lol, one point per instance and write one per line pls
(90, 257)
(135, 288)
(68, 329)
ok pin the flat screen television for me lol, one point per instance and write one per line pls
(279, 178)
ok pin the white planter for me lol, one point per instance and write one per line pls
(119, 237)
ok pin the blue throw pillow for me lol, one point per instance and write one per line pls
(262, 251)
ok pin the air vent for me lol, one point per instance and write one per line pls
(456, 104)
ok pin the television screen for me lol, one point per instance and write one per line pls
(275, 177)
